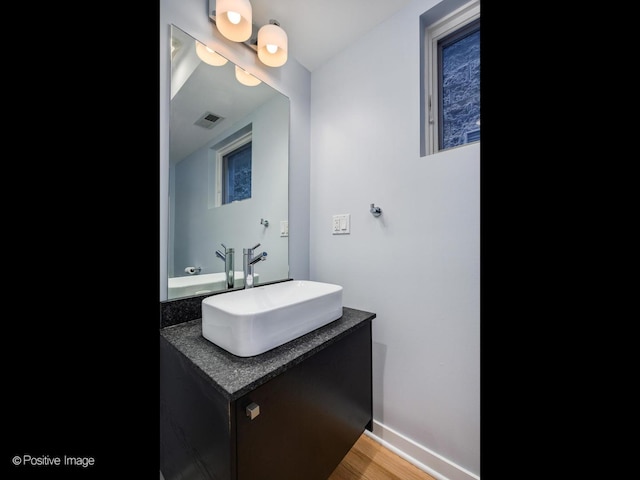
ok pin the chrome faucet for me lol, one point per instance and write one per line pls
(228, 258)
(248, 261)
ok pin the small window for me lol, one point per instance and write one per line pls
(453, 79)
(236, 174)
(233, 170)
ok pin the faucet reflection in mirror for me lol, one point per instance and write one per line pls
(228, 259)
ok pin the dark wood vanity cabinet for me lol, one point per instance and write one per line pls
(297, 425)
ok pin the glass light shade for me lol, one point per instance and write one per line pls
(246, 78)
(209, 56)
(270, 36)
(241, 31)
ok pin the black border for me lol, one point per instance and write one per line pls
(80, 367)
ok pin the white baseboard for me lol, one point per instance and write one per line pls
(414, 453)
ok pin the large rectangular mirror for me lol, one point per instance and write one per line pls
(228, 172)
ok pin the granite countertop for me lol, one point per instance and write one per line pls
(234, 376)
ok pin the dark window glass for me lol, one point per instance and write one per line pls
(237, 174)
(459, 60)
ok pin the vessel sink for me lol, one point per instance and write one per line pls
(251, 321)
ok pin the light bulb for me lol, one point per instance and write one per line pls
(272, 45)
(246, 78)
(209, 56)
(234, 17)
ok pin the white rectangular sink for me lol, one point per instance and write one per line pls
(251, 321)
(203, 283)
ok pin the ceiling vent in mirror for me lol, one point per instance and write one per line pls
(208, 120)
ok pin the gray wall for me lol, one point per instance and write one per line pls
(355, 139)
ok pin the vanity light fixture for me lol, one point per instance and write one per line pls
(246, 78)
(208, 56)
(234, 19)
(272, 44)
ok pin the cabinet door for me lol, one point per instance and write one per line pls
(309, 416)
(195, 441)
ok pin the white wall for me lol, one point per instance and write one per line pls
(292, 79)
(417, 265)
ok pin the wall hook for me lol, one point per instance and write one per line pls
(375, 211)
(264, 222)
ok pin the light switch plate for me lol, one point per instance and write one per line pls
(284, 228)
(341, 224)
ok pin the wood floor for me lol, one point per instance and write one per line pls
(369, 460)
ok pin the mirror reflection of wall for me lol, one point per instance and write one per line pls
(229, 161)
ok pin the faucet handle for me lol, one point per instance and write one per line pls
(254, 247)
(260, 257)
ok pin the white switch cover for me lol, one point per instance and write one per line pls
(284, 228)
(341, 224)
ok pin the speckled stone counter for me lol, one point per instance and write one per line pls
(234, 376)
(180, 310)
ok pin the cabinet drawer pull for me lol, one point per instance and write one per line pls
(253, 410)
